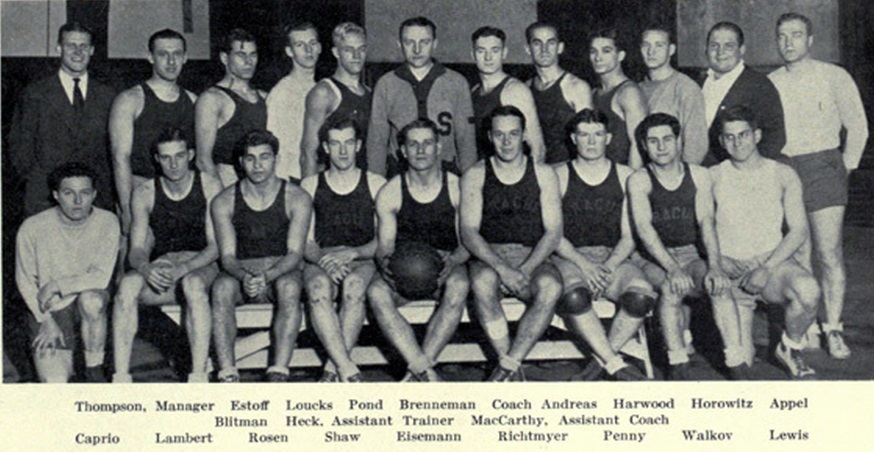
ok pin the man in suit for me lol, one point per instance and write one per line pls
(729, 83)
(62, 119)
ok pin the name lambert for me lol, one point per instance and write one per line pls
(187, 438)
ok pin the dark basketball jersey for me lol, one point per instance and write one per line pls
(248, 116)
(673, 212)
(511, 213)
(483, 104)
(432, 222)
(357, 107)
(260, 234)
(156, 117)
(554, 113)
(619, 146)
(178, 225)
(343, 220)
(593, 213)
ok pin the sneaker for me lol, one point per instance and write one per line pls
(502, 375)
(592, 372)
(740, 372)
(680, 372)
(837, 348)
(329, 377)
(793, 361)
(276, 377)
(231, 378)
(425, 376)
(628, 373)
(95, 375)
(357, 378)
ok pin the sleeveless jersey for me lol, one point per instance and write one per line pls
(673, 212)
(432, 222)
(483, 104)
(554, 113)
(343, 220)
(178, 225)
(620, 145)
(156, 117)
(357, 107)
(512, 213)
(593, 213)
(260, 233)
(248, 116)
(749, 209)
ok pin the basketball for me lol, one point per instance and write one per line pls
(415, 267)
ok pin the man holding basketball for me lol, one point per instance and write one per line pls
(420, 205)
(511, 222)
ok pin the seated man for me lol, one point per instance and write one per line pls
(64, 260)
(420, 204)
(672, 207)
(756, 254)
(340, 247)
(511, 222)
(172, 245)
(595, 248)
(261, 224)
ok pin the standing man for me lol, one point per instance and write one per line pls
(511, 222)
(593, 254)
(672, 207)
(729, 83)
(340, 247)
(341, 95)
(64, 258)
(62, 118)
(420, 205)
(261, 225)
(756, 254)
(496, 88)
(668, 90)
(618, 97)
(225, 113)
(420, 88)
(558, 94)
(286, 103)
(820, 100)
(172, 245)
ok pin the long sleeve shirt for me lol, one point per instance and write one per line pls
(679, 96)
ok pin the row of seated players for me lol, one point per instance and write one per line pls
(556, 238)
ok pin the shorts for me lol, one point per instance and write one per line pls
(743, 298)
(309, 268)
(67, 319)
(570, 272)
(263, 263)
(685, 256)
(824, 179)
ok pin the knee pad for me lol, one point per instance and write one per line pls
(636, 303)
(577, 300)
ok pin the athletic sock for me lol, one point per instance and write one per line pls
(829, 327)
(227, 372)
(279, 370)
(122, 378)
(735, 356)
(93, 359)
(509, 363)
(789, 343)
(614, 365)
(677, 357)
(198, 377)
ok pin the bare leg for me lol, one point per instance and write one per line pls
(485, 284)
(125, 321)
(395, 327)
(225, 293)
(545, 289)
(198, 322)
(92, 308)
(353, 307)
(448, 314)
(286, 324)
(826, 227)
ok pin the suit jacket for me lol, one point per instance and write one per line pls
(46, 133)
(756, 91)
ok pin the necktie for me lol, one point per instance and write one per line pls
(78, 98)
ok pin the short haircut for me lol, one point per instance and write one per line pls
(795, 16)
(297, 26)
(339, 123)
(655, 120)
(737, 113)
(487, 31)
(609, 33)
(506, 110)
(345, 29)
(587, 116)
(170, 135)
(659, 26)
(421, 123)
(70, 169)
(731, 26)
(256, 138)
(419, 21)
(70, 27)
(540, 24)
(166, 34)
(236, 35)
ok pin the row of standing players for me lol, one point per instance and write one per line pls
(225, 112)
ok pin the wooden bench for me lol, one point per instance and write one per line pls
(251, 351)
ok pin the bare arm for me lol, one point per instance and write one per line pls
(550, 208)
(639, 188)
(633, 105)
(704, 210)
(222, 210)
(207, 117)
(300, 210)
(125, 110)
(577, 92)
(208, 255)
(471, 218)
(387, 205)
(460, 254)
(312, 250)
(142, 201)
(519, 96)
(321, 102)
(625, 246)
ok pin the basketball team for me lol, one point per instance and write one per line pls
(338, 198)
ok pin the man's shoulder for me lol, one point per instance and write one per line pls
(41, 86)
(104, 219)
(684, 82)
(36, 223)
(452, 77)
